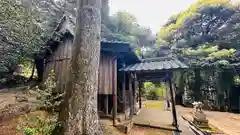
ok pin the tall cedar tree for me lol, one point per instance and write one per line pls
(79, 114)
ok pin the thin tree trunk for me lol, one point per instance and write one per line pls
(79, 112)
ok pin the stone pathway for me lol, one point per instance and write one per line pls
(158, 117)
(154, 117)
(184, 127)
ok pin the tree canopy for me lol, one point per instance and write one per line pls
(27, 25)
(20, 34)
(206, 37)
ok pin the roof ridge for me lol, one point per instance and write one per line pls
(157, 59)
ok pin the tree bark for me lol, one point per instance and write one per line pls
(79, 111)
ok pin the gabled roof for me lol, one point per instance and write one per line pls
(155, 64)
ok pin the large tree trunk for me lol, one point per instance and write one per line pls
(79, 112)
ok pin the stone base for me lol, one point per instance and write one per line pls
(199, 119)
(137, 112)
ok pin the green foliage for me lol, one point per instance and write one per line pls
(124, 27)
(50, 101)
(30, 131)
(26, 69)
(237, 80)
(21, 35)
(198, 24)
(138, 52)
(204, 50)
(206, 37)
(154, 92)
(223, 53)
(35, 125)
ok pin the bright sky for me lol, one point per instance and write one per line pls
(152, 13)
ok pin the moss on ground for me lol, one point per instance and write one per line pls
(154, 104)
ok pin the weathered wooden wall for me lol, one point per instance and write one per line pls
(106, 70)
(59, 63)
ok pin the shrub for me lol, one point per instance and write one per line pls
(49, 100)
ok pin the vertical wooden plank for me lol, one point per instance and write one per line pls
(59, 65)
(115, 83)
(105, 79)
(99, 75)
(134, 92)
(173, 103)
(62, 69)
(102, 76)
(45, 71)
(68, 62)
(63, 74)
(114, 92)
(55, 63)
(106, 103)
(110, 74)
(63, 79)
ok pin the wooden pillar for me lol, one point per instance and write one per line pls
(140, 94)
(114, 92)
(124, 91)
(106, 103)
(134, 92)
(173, 103)
(130, 96)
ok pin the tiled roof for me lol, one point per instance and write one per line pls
(160, 63)
(67, 26)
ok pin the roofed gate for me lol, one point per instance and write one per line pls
(156, 70)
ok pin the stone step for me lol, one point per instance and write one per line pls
(125, 126)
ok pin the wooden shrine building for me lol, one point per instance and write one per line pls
(121, 71)
(114, 55)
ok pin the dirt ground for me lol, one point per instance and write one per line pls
(153, 114)
(229, 123)
(9, 127)
(7, 98)
(135, 130)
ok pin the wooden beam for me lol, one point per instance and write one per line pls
(133, 92)
(114, 92)
(175, 123)
(130, 96)
(136, 89)
(106, 103)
